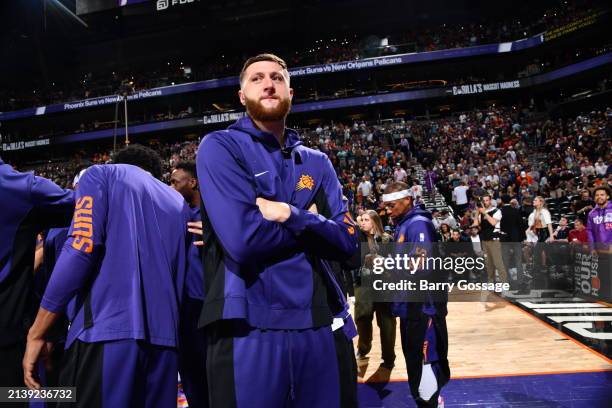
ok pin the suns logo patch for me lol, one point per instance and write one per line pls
(305, 182)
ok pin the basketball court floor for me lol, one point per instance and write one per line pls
(547, 349)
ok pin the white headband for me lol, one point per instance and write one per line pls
(396, 195)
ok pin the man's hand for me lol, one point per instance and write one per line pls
(273, 210)
(35, 349)
(313, 209)
(482, 210)
(195, 227)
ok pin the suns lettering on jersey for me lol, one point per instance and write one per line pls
(82, 228)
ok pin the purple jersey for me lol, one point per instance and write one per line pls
(599, 224)
(194, 281)
(415, 231)
(125, 258)
(28, 204)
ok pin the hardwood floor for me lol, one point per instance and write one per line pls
(501, 341)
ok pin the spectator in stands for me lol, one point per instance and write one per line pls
(487, 129)
(587, 169)
(417, 191)
(579, 234)
(474, 238)
(400, 174)
(539, 220)
(457, 236)
(524, 179)
(405, 145)
(601, 168)
(435, 215)
(459, 246)
(526, 207)
(444, 233)
(446, 218)
(584, 205)
(466, 219)
(430, 182)
(365, 188)
(561, 233)
(460, 197)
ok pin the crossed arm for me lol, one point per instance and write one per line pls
(271, 210)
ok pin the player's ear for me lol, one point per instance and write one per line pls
(242, 97)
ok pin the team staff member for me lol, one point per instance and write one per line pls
(599, 224)
(28, 204)
(125, 260)
(192, 340)
(422, 324)
(266, 299)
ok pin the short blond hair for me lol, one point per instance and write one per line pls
(261, 57)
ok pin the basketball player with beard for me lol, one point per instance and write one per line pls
(273, 216)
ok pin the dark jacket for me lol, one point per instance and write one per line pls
(512, 224)
(272, 275)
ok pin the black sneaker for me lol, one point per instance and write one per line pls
(388, 366)
(361, 356)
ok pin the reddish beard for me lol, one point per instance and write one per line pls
(260, 113)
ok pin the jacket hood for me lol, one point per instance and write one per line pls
(415, 212)
(607, 207)
(245, 124)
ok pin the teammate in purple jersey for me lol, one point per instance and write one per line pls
(269, 300)
(28, 205)
(192, 340)
(125, 260)
(422, 324)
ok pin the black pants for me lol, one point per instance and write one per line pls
(11, 370)
(192, 354)
(512, 254)
(413, 337)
